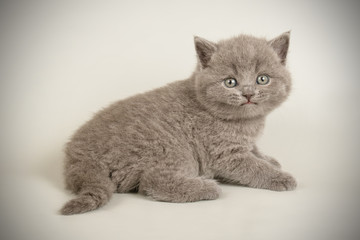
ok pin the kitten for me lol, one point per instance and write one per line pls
(173, 142)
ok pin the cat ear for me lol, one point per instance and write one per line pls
(281, 45)
(204, 49)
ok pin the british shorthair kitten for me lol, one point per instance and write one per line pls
(174, 143)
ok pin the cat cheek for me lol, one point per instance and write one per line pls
(282, 90)
(280, 93)
(233, 101)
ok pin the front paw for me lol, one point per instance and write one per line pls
(283, 182)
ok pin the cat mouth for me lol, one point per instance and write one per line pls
(249, 102)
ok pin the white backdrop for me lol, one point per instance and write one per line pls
(61, 61)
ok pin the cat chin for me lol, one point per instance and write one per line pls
(238, 112)
(250, 111)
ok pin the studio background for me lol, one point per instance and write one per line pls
(62, 61)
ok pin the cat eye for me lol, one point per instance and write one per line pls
(263, 79)
(230, 82)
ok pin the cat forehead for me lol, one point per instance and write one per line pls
(244, 49)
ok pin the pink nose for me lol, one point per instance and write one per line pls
(248, 96)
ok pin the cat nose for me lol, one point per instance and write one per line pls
(248, 95)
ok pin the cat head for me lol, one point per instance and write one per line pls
(243, 77)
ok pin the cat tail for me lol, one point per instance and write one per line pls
(93, 190)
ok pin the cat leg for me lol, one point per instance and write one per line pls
(269, 159)
(172, 186)
(92, 186)
(247, 169)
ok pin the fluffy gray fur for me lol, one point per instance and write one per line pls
(173, 143)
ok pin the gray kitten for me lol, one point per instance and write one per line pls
(171, 143)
